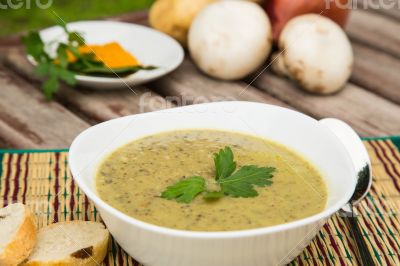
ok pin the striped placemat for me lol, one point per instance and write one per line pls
(40, 179)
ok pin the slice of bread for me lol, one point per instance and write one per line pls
(70, 243)
(17, 234)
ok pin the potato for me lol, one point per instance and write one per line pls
(174, 17)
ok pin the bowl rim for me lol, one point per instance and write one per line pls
(320, 216)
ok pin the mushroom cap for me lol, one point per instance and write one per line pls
(316, 53)
(230, 39)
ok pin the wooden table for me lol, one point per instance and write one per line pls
(370, 102)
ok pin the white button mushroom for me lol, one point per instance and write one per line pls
(230, 39)
(316, 53)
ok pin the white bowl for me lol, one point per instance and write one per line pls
(275, 245)
(151, 47)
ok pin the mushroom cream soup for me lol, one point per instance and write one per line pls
(132, 179)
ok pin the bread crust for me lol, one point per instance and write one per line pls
(99, 253)
(22, 244)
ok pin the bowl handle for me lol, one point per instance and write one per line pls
(357, 151)
(359, 155)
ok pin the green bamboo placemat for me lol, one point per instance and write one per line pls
(40, 179)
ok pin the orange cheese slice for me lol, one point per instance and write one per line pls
(111, 54)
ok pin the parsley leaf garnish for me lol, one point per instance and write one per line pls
(185, 190)
(213, 195)
(224, 163)
(242, 182)
(234, 184)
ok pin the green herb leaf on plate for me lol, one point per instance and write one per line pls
(74, 51)
(107, 71)
(67, 76)
(224, 163)
(242, 182)
(54, 69)
(62, 55)
(34, 46)
(42, 69)
(58, 68)
(50, 86)
(75, 38)
(185, 190)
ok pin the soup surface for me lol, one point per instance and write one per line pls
(132, 178)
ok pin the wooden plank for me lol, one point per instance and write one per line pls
(94, 105)
(140, 17)
(369, 114)
(377, 72)
(4, 144)
(394, 13)
(28, 121)
(187, 85)
(10, 40)
(386, 8)
(375, 30)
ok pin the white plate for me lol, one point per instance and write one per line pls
(149, 46)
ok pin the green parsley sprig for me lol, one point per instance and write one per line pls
(54, 69)
(58, 68)
(234, 184)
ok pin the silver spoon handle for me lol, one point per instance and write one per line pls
(362, 247)
(362, 165)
